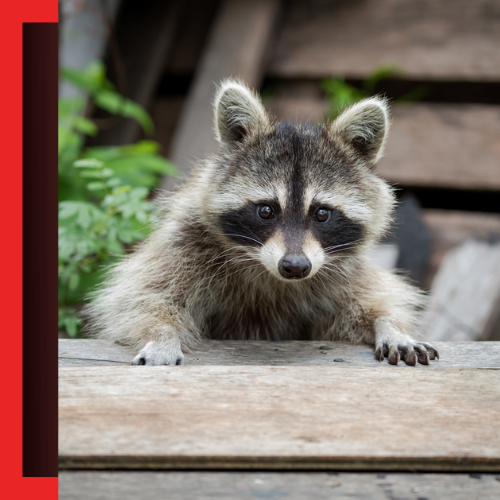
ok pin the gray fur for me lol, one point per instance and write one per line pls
(190, 279)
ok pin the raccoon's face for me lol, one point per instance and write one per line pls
(298, 198)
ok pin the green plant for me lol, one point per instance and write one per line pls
(103, 191)
(341, 94)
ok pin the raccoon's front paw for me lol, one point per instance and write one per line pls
(402, 347)
(156, 353)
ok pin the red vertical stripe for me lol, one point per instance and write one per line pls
(12, 18)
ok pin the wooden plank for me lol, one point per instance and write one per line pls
(440, 40)
(450, 228)
(90, 352)
(430, 145)
(145, 35)
(250, 23)
(291, 417)
(465, 294)
(273, 485)
(446, 146)
(84, 31)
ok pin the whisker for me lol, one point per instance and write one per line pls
(334, 247)
(247, 237)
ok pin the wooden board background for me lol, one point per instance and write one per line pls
(450, 228)
(273, 485)
(429, 145)
(251, 23)
(279, 418)
(427, 40)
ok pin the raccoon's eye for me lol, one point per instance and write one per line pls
(265, 212)
(322, 215)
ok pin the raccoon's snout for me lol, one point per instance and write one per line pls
(294, 267)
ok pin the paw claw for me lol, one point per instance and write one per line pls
(400, 347)
(411, 359)
(394, 358)
(423, 358)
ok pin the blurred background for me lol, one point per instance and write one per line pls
(136, 85)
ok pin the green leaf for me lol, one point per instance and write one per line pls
(70, 106)
(74, 281)
(122, 189)
(66, 139)
(115, 247)
(113, 182)
(139, 192)
(67, 209)
(107, 172)
(91, 174)
(116, 104)
(88, 163)
(141, 148)
(83, 125)
(91, 79)
(96, 186)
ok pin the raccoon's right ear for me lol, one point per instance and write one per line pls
(238, 113)
(364, 128)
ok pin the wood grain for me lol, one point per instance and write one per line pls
(291, 417)
(273, 485)
(251, 24)
(439, 40)
(465, 294)
(439, 145)
(446, 146)
(89, 352)
(450, 228)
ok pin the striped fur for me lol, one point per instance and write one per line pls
(211, 267)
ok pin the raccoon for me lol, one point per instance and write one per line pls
(269, 240)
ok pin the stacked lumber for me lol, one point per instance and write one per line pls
(432, 146)
(446, 148)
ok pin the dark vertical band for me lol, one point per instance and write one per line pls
(40, 80)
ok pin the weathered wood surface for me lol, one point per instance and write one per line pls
(90, 352)
(444, 146)
(438, 145)
(251, 24)
(287, 417)
(272, 485)
(465, 294)
(84, 30)
(439, 40)
(450, 228)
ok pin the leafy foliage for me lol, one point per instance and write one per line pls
(341, 94)
(103, 191)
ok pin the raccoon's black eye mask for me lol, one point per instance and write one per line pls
(254, 223)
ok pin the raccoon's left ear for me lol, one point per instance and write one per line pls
(364, 127)
(238, 112)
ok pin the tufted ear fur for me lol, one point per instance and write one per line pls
(364, 127)
(238, 113)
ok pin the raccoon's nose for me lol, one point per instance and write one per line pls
(294, 267)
